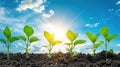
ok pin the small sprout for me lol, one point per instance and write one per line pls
(50, 38)
(94, 39)
(111, 51)
(73, 42)
(105, 32)
(9, 39)
(28, 39)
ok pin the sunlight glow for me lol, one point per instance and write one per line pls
(59, 30)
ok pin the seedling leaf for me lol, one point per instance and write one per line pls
(104, 31)
(12, 39)
(28, 30)
(97, 36)
(79, 42)
(67, 44)
(109, 38)
(71, 35)
(92, 37)
(48, 36)
(22, 38)
(7, 32)
(96, 45)
(46, 47)
(33, 39)
(3, 41)
(56, 42)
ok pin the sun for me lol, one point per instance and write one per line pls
(57, 28)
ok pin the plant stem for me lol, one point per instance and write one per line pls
(49, 50)
(49, 53)
(71, 49)
(71, 52)
(8, 54)
(27, 56)
(106, 51)
(27, 49)
(94, 54)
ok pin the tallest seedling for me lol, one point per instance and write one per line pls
(105, 32)
(28, 39)
(9, 39)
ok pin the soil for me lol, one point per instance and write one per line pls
(60, 60)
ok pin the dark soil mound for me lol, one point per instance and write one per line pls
(60, 60)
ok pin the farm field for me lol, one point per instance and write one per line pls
(61, 60)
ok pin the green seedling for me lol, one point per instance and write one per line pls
(50, 38)
(107, 38)
(73, 42)
(111, 51)
(9, 39)
(28, 39)
(94, 39)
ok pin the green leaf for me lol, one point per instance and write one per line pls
(75, 54)
(96, 45)
(104, 31)
(7, 32)
(79, 42)
(92, 37)
(56, 42)
(12, 39)
(22, 38)
(28, 30)
(111, 51)
(67, 44)
(33, 39)
(48, 36)
(109, 38)
(71, 35)
(3, 41)
(46, 47)
(97, 36)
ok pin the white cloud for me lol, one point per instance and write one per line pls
(2, 11)
(118, 45)
(115, 11)
(92, 25)
(31, 4)
(1, 45)
(16, 1)
(111, 10)
(39, 9)
(118, 3)
(35, 5)
(51, 12)
(19, 45)
(5, 19)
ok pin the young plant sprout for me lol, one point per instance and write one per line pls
(73, 42)
(50, 38)
(105, 32)
(9, 39)
(94, 39)
(111, 51)
(28, 39)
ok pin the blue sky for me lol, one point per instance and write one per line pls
(57, 16)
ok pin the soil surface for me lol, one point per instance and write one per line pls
(60, 60)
